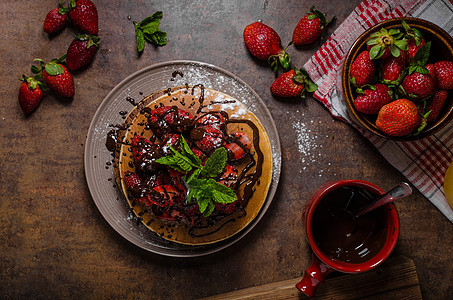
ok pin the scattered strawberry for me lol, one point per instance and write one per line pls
(56, 77)
(30, 94)
(293, 83)
(393, 69)
(81, 51)
(264, 43)
(444, 74)
(310, 27)
(84, 15)
(373, 99)
(362, 70)
(435, 105)
(385, 43)
(418, 86)
(56, 20)
(399, 118)
(238, 145)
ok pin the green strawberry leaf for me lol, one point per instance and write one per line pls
(372, 41)
(394, 51)
(394, 31)
(422, 70)
(375, 51)
(375, 34)
(311, 86)
(422, 54)
(54, 69)
(402, 44)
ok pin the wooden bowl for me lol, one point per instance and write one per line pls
(441, 49)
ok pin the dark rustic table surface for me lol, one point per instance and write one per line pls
(54, 243)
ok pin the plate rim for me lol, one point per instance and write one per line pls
(276, 145)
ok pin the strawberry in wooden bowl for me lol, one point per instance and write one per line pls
(397, 79)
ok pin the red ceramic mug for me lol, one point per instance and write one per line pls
(341, 242)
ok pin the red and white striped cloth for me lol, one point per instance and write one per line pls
(423, 162)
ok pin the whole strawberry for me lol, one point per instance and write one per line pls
(432, 72)
(393, 69)
(81, 51)
(293, 83)
(435, 105)
(56, 77)
(386, 43)
(84, 15)
(264, 43)
(418, 86)
(56, 20)
(310, 27)
(30, 94)
(444, 74)
(412, 47)
(373, 99)
(362, 70)
(399, 118)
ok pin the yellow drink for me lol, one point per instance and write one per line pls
(448, 185)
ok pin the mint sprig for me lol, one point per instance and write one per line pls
(148, 30)
(202, 185)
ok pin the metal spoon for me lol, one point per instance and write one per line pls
(401, 190)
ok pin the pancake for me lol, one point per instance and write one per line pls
(255, 172)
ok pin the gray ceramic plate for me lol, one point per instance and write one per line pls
(100, 175)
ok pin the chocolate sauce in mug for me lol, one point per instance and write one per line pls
(341, 236)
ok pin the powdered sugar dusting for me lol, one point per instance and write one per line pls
(307, 143)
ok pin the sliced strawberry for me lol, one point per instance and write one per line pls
(172, 140)
(229, 176)
(238, 145)
(167, 119)
(145, 154)
(215, 119)
(131, 179)
(228, 208)
(199, 154)
(165, 195)
(207, 138)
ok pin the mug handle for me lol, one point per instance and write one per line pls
(314, 275)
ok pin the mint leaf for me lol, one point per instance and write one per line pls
(215, 163)
(158, 38)
(203, 203)
(185, 149)
(140, 38)
(209, 209)
(148, 30)
(221, 193)
(152, 22)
